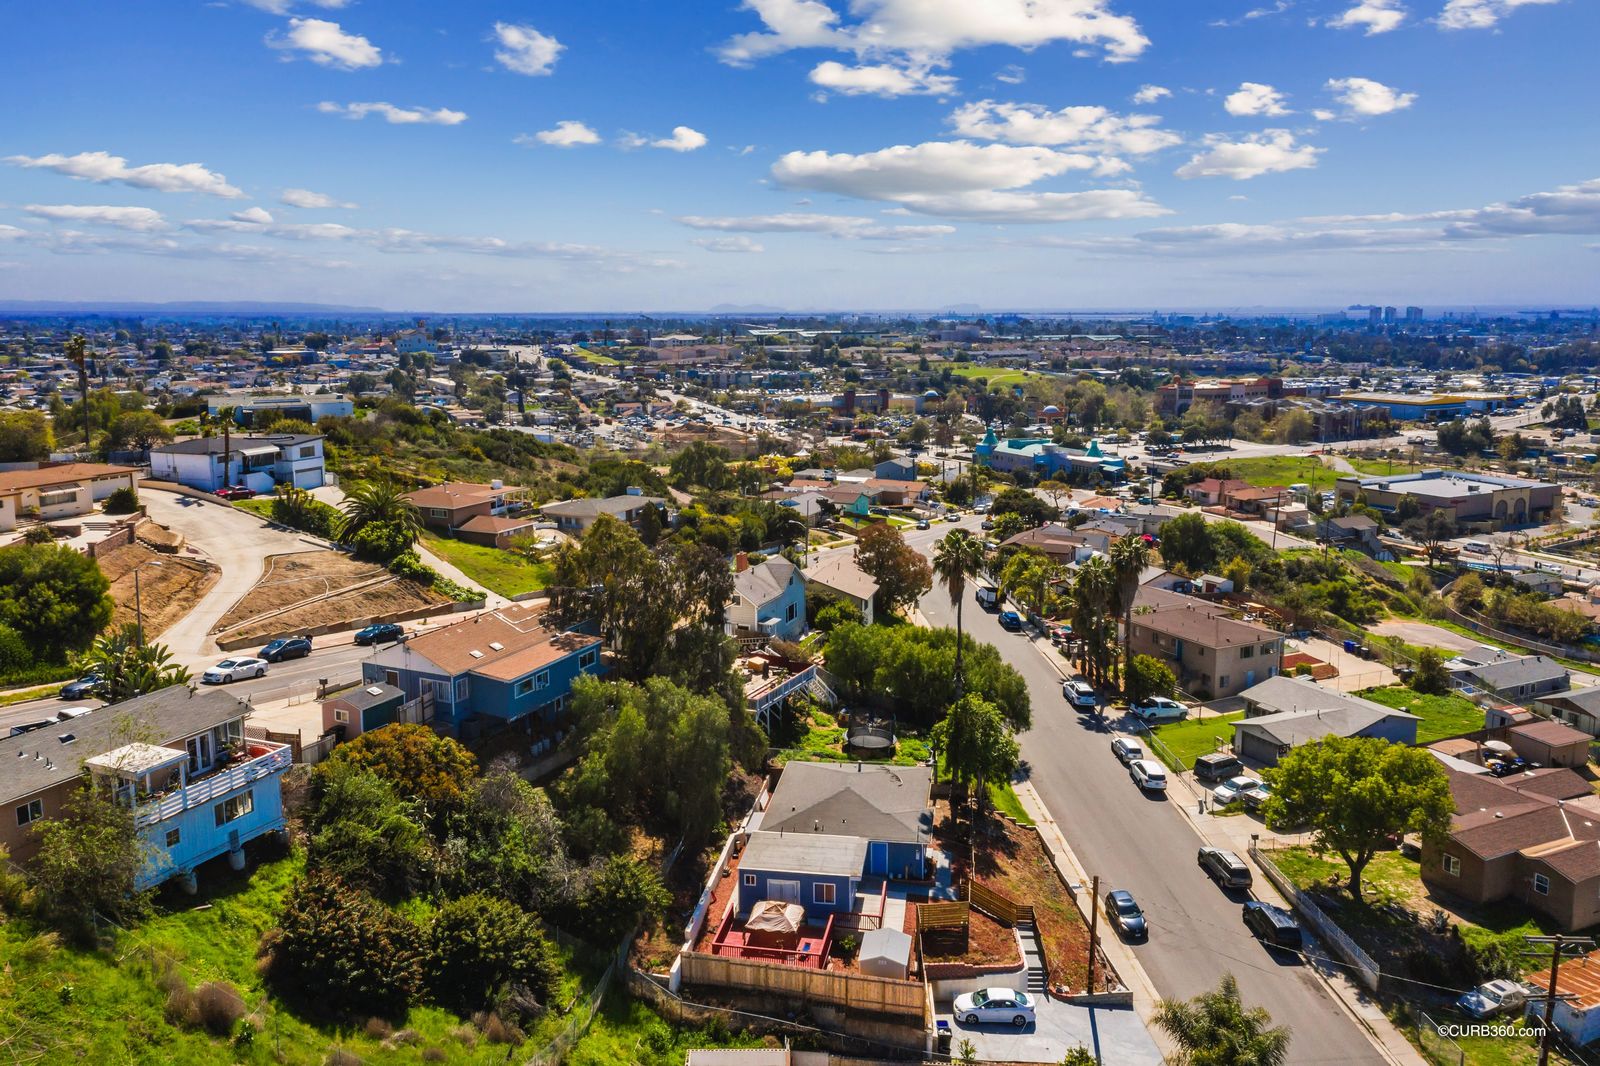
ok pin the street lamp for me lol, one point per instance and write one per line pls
(138, 605)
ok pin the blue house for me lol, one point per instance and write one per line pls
(485, 671)
(769, 599)
(830, 826)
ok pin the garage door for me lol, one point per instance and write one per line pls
(308, 479)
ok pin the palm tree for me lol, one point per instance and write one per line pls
(379, 502)
(1129, 557)
(1216, 1029)
(127, 667)
(1093, 594)
(958, 556)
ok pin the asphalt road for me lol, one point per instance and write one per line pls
(1148, 847)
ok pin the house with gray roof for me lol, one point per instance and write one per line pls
(1518, 678)
(1283, 713)
(1578, 707)
(574, 517)
(769, 600)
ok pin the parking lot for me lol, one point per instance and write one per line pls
(1115, 1033)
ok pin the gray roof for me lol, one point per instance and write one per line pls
(236, 442)
(593, 507)
(164, 717)
(844, 799)
(1583, 699)
(1284, 693)
(1294, 728)
(364, 696)
(885, 943)
(805, 853)
(1510, 673)
(765, 581)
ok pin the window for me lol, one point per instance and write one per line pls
(750, 880)
(821, 893)
(1268, 649)
(588, 658)
(56, 499)
(736, 600)
(1541, 884)
(438, 512)
(391, 678)
(1247, 652)
(789, 615)
(307, 451)
(541, 680)
(1452, 866)
(30, 812)
(341, 715)
(199, 752)
(235, 807)
(173, 837)
(461, 689)
(441, 691)
(524, 686)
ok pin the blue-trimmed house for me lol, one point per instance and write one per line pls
(769, 599)
(830, 826)
(489, 670)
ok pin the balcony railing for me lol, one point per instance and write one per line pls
(275, 759)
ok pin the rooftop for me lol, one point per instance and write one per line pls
(842, 799)
(59, 474)
(593, 507)
(1187, 618)
(453, 494)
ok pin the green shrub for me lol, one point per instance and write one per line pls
(1149, 676)
(123, 501)
(40, 534)
(341, 951)
(835, 614)
(381, 541)
(480, 944)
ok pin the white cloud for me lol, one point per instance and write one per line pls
(1093, 128)
(258, 215)
(283, 7)
(525, 50)
(1374, 16)
(326, 44)
(308, 199)
(844, 226)
(1149, 94)
(728, 244)
(103, 167)
(1224, 239)
(1277, 8)
(1011, 74)
(139, 219)
(683, 139)
(1322, 114)
(880, 79)
(1268, 152)
(567, 133)
(1254, 98)
(1570, 209)
(1480, 14)
(396, 116)
(1004, 206)
(1365, 98)
(932, 29)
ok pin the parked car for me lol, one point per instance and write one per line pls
(234, 669)
(83, 688)
(923, 523)
(1257, 797)
(1126, 750)
(1159, 709)
(382, 633)
(986, 524)
(1224, 867)
(1273, 925)
(988, 597)
(286, 648)
(1008, 1005)
(1011, 621)
(236, 492)
(1148, 775)
(952, 517)
(1125, 914)
(1235, 788)
(1493, 997)
(1080, 694)
(1217, 766)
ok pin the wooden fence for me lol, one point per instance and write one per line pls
(878, 995)
(997, 906)
(942, 915)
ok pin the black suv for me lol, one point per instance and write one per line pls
(1273, 925)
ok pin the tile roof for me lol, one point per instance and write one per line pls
(453, 494)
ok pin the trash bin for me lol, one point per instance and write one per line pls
(941, 1035)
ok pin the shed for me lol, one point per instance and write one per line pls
(885, 953)
(360, 710)
(1550, 743)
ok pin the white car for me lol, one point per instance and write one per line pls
(1159, 709)
(1080, 694)
(1005, 1005)
(1493, 997)
(235, 669)
(1126, 750)
(1234, 788)
(1148, 774)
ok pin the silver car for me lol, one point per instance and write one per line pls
(234, 669)
(1004, 1005)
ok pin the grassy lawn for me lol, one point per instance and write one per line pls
(1194, 737)
(493, 568)
(260, 506)
(596, 357)
(818, 737)
(1383, 467)
(65, 1004)
(1003, 798)
(1002, 376)
(1442, 716)
(1282, 470)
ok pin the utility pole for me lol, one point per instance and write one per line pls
(1558, 944)
(1094, 927)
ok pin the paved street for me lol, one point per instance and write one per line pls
(1147, 846)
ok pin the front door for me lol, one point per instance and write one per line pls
(784, 891)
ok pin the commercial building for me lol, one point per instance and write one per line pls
(1474, 501)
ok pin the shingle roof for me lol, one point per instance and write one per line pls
(765, 581)
(488, 523)
(166, 717)
(1510, 673)
(1293, 728)
(841, 573)
(876, 802)
(591, 507)
(516, 629)
(453, 494)
(805, 853)
(1195, 620)
(60, 474)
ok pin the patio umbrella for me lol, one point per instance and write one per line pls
(776, 916)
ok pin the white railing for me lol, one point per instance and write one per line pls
(276, 760)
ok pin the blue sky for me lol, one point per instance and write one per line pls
(875, 154)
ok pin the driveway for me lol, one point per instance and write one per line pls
(237, 542)
(1115, 1034)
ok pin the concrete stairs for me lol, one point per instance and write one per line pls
(1032, 958)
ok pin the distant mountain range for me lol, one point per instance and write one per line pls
(177, 307)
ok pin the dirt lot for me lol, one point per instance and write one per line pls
(168, 592)
(985, 943)
(288, 580)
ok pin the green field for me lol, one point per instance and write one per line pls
(596, 357)
(1003, 798)
(1442, 716)
(495, 569)
(260, 506)
(1001, 376)
(1194, 737)
(1377, 467)
(1281, 470)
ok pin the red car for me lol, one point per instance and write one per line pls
(236, 492)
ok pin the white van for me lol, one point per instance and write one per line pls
(1479, 547)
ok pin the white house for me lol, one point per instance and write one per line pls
(63, 490)
(259, 462)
